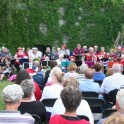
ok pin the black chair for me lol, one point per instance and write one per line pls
(108, 112)
(49, 102)
(98, 81)
(36, 118)
(97, 105)
(89, 94)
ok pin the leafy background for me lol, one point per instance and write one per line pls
(51, 22)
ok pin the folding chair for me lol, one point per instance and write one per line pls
(108, 112)
(96, 104)
(49, 102)
(89, 94)
(98, 81)
(37, 119)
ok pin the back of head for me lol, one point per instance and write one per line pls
(98, 66)
(58, 74)
(53, 63)
(83, 67)
(72, 82)
(120, 99)
(71, 98)
(116, 118)
(22, 75)
(12, 93)
(116, 68)
(28, 87)
(89, 73)
(72, 66)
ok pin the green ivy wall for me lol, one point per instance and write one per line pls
(51, 22)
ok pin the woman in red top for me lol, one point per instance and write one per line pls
(71, 98)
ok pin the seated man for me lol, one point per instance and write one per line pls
(12, 95)
(89, 84)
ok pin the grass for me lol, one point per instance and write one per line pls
(2, 85)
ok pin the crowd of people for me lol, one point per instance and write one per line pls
(65, 78)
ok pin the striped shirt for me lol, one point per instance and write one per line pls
(14, 117)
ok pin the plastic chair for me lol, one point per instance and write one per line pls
(37, 119)
(90, 94)
(49, 102)
(108, 112)
(97, 105)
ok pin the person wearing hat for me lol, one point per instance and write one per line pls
(64, 50)
(35, 54)
(12, 96)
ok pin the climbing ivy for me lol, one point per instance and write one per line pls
(50, 22)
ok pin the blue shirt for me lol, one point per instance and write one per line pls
(89, 85)
(99, 76)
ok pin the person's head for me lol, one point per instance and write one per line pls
(79, 46)
(116, 118)
(58, 49)
(19, 49)
(83, 67)
(57, 75)
(119, 49)
(89, 73)
(120, 100)
(117, 68)
(71, 98)
(12, 94)
(28, 88)
(63, 46)
(61, 57)
(102, 49)
(72, 82)
(96, 48)
(72, 67)
(109, 72)
(48, 49)
(91, 49)
(85, 47)
(34, 50)
(98, 66)
(22, 75)
(53, 63)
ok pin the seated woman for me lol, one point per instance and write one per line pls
(47, 52)
(26, 103)
(82, 109)
(71, 98)
(24, 74)
(55, 89)
(72, 71)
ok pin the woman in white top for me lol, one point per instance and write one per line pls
(72, 71)
(55, 89)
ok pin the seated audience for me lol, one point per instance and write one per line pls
(71, 98)
(82, 109)
(26, 103)
(72, 71)
(60, 59)
(12, 96)
(88, 84)
(98, 74)
(55, 89)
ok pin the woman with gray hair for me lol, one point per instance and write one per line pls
(12, 96)
(82, 109)
(71, 98)
(27, 105)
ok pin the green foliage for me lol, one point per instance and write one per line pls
(36, 22)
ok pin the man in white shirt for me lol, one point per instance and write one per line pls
(113, 82)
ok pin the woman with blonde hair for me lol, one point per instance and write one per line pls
(72, 71)
(116, 118)
(55, 89)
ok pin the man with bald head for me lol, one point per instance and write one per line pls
(89, 84)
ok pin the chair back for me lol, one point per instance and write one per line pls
(98, 81)
(108, 112)
(89, 94)
(49, 102)
(36, 118)
(96, 104)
